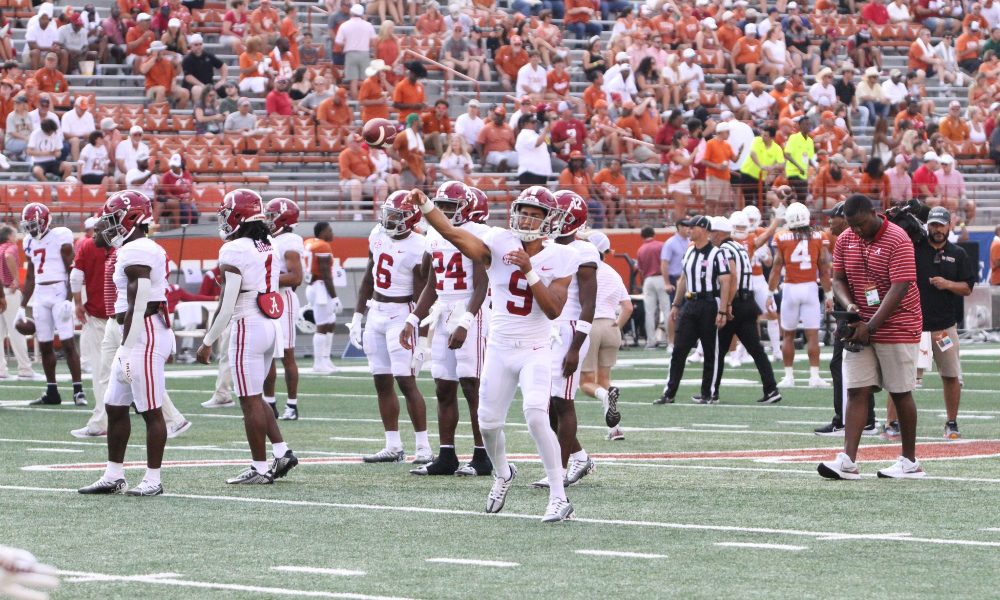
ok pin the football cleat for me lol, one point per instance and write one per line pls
(386, 455)
(280, 466)
(80, 399)
(891, 431)
(578, 469)
(424, 456)
(145, 489)
(870, 429)
(46, 400)
(542, 484)
(616, 434)
(444, 465)
(480, 465)
(611, 416)
(291, 413)
(321, 368)
(87, 432)
(217, 402)
(770, 398)
(178, 429)
(498, 493)
(102, 486)
(252, 477)
(558, 510)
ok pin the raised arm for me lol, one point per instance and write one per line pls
(467, 243)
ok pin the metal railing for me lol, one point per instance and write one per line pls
(462, 76)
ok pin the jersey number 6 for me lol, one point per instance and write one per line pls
(519, 289)
(383, 276)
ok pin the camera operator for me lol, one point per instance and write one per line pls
(874, 272)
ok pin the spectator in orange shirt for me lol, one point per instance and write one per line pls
(375, 91)
(953, 126)
(967, 48)
(833, 183)
(265, 21)
(335, 111)
(431, 24)
(495, 143)
(718, 154)
(436, 128)
(509, 60)
(557, 84)
(255, 75)
(874, 182)
(581, 18)
(409, 151)
(601, 137)
(828, 136)
(629, 122)
(609, 192)
(594, 93)
(575, 176)
(358, 174)
(138, 40)
(49, 78)
(728, 33)
(408, 96)
(161, 76)
(746, 53)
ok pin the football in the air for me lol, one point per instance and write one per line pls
(25, 326)
(379, 133)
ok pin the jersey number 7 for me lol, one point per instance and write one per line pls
(41, 263)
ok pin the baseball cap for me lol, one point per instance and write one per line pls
(697, 221)
(838, 159)
(143, 17)
(90, 223)
(750, 28)
(107, 123)
(722, 128)
(895, 73)
(621, 57)
(175, 160)
(930, 155)
(196, 39)
(563, 106)
(142, 155)
(726, 115)
(157, 46)
(940, 215)
(721, 224)
(689, 53)
(473, 102)
(357, 10)
(135, 129)
(828, 114)
(174, 22)
(600, 241)
(836, 211)
(780, 80)
(946, 159)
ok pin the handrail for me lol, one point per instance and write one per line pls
(462, 76)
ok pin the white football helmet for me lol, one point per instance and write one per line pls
(753, 215)
(796, 216)
(740, 224)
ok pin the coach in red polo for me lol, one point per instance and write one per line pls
(874, 275)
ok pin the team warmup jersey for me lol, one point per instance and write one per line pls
(143, 252)
(452, 269)
(46, 254)
(315, 248)
(394, 262)
(586, 254)
(258, 264)
(801, 256)
(516, 315)
(288, 242)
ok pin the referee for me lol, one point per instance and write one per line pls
(743, 315)
(705, 279)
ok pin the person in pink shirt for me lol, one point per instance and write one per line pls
(900, 184)
(951, 188)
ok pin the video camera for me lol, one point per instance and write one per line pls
(911, 217)
(844, 331)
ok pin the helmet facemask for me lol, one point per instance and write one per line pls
(530, 228)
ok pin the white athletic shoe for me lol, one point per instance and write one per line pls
(558, 509)
(323, 368)
(616, 434)
(904, 468)
(578, 469)
(87, 432)
(786, 382)
(818, 382)
(841, 467)
(498, 493)
(696, 357)
(423, 456)
(178, 430)
(734, 361)
(542, 484)
(217, 402)
(146, 488)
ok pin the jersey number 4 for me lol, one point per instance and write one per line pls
(452, 270)
(41, 262)
(383, 276)
(519, 288)
(800, 256)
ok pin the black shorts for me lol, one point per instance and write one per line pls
(50, 167)
(92, 178)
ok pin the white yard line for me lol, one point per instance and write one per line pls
(990, 529)
(473, 562)
(320, 571)
(719, 425)
(617, 554)
(762, 546)
(57, 450)
(358, 439)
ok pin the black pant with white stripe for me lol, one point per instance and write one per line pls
(744, 327)
(839, 397)
(696, 322)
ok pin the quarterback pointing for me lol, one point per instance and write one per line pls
(529, 276)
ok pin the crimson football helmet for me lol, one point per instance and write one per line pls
(399, 215)
(572, 212)
(281, 213)
(480, 212)
(238, 207)
(35, 219)
(456, 198)
(122, 213)
(532, 228)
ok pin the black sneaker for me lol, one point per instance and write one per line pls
(772, 397)
(870, 429)
(118, 486)
(951, 431)
(664, 399)
(891, 431)
(281, 466)
(612, 417)
(830, 430)
(252, 477)
(46, 399)
(445, 464)
(699, 399)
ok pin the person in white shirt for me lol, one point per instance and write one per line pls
(899, 12)
(758, 102)
(44, 149)
(94, 161)
(141, 179)
(822, 94)
(690, 74)
(991, 12)
(356, 37)
(77, 124)
(41, 36)
(469, 124)
(534, 164)
(44, 111)
(740, 139)
(456, 163)
(620, 79)
(895, 89)
(128, 150)
(532, 78)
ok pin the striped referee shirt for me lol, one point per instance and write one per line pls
(737, 253)
(702, 268)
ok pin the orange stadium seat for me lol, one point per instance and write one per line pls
(16, 194)
(248, 163)
(197, 163)
(224, 161)
(60, 100)
(207, 197)
(280, 143)
(68, 193)
(92, 197)
(39, 192)
(182, 122)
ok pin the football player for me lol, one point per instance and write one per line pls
(804, 256)
(395, 254)
(282, 215)
(322, 296)
(453, 296)
(250, 299)
(529, 277)
(137, 369)
(50, 255)
(747, 231)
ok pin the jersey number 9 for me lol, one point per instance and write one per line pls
(519, 288)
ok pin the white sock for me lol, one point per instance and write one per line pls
(602, 395)
(775, 336)
(790, 372)
(327, 346)
(422, 441)
(393, 441)
(292, 402)
(318, 347)
(814, 372)
(548, 450)
(114, 471)
(496, 449)
(152, 476)
(279, 449)
(261, 466)
(579, 456)
(269, 400)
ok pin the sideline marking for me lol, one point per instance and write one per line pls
(719, 425)
(473, 562)
(762, 546)
(57, 450)
(990, 529)
(619, 554)
(320, 571)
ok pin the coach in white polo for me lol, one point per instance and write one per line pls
(356, 37)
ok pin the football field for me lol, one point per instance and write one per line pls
(697, 502)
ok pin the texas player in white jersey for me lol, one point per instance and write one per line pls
(452, 304)
(251, 302)
(392, 280)
(50, 255)
(282, 215)
(137, 369)
(529, 275)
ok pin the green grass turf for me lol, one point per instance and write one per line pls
(349, 515)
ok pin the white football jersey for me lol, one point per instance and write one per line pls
(289, 242)
(516, 315)
(147, 253)
(394, 262)
(586, 253)
(46, 254)
(452, 269)
(259, 264)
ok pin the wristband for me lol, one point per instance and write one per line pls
(772, 292)
(411, 319)
(532, 277)
(465, 322)
(583, 327)
(427, 207)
